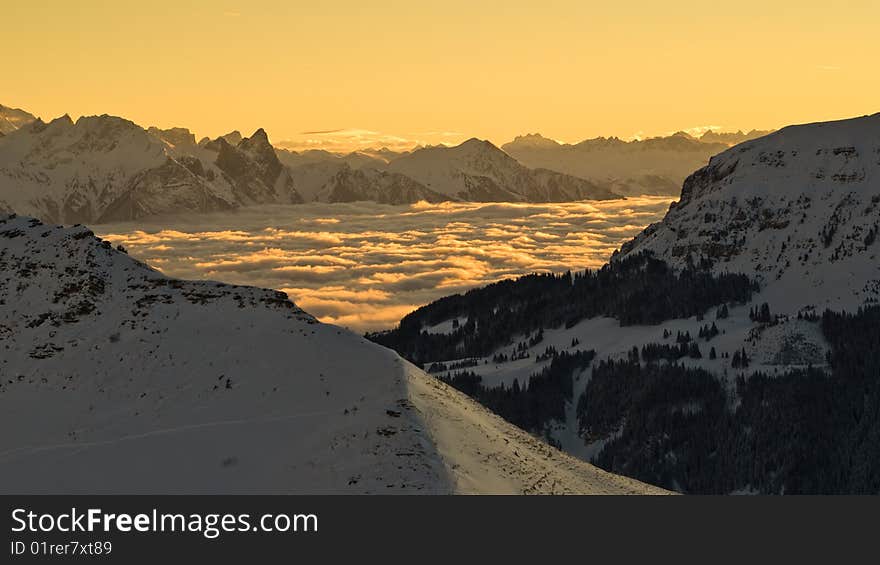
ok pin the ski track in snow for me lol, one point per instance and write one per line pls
(163, 431)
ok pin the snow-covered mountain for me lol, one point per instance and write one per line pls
(798, 209)
(321, 176)
(338, 182)
(650, 166)
(104, 168)
(180, 139)
(355, 159)
(475, 170)
(734, 137)
(730, 348)
(478, 171)
(117, 379)
(12, 119)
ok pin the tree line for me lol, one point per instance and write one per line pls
(639, 289)
(532, 405)
(804, 431)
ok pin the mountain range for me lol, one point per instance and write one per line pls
(478, 171)
(104, 168)
(654, 166)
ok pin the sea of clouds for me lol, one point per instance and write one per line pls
(365, 265)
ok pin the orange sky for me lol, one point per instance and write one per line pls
(399, 72)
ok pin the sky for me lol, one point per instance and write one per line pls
(353, 73)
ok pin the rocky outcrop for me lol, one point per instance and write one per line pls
(12, 119)
(255, 171)
(799, 209)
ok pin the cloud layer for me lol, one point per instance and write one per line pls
(366, 265)
(353, 139)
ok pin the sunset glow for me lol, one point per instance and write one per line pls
(349, 74)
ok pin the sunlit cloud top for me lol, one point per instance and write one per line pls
(348, 140)
(366, 265)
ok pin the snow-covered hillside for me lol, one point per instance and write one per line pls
(476, 170)
(798, 209)
(116, 378)
(103, 168)
(678, 394)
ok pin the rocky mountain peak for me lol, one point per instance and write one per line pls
(260, 135)
(177, 137)
(799, 208)
(12, 119)
(233, 137)
(531, 140)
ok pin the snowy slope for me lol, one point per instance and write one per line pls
(796, 209)
(476, 170)
(181, 140)
(322, 176)
(310, 179)
(116, 378)
(788, 344)
(351, 185)
(337, 181)
(12, 119)
(355, 159)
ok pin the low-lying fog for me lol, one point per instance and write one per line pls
(366, 265)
